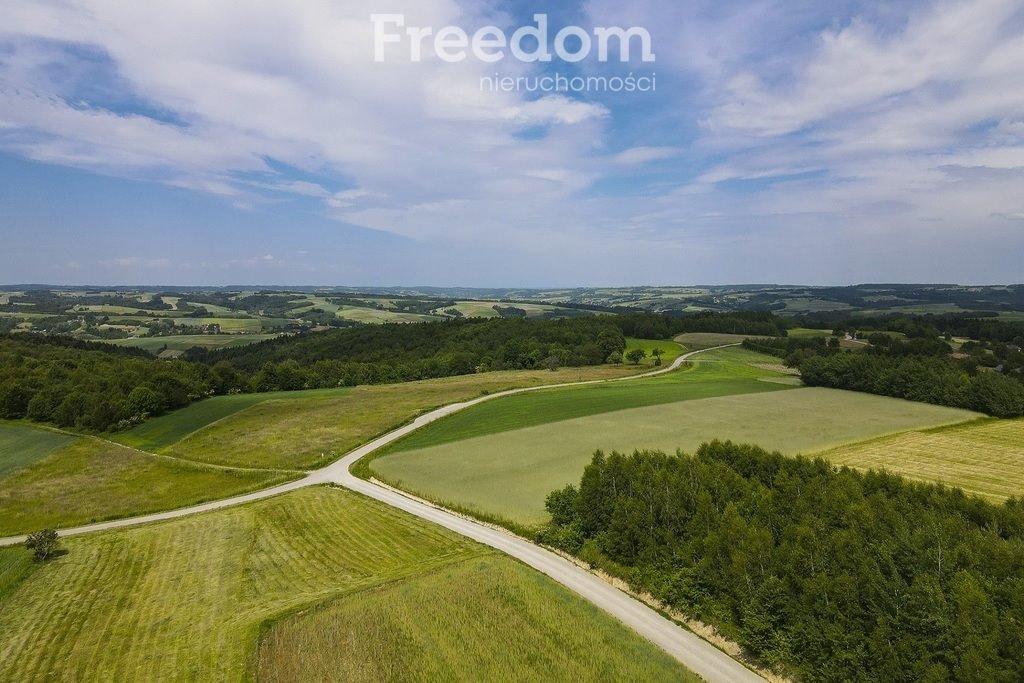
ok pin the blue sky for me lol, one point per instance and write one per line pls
(788, 141)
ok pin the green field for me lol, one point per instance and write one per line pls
(697, 341)
(716, 373)
(985, 458)
(92, 480)
(162, 432)
(310, 429)
(497, 465)
(672, 350)
(187, 600)
(375, 316)
(487, 619)
(178, 344)
(21, 446)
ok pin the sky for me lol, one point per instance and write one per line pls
(263, 143)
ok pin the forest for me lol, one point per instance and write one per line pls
(823, 573)
(98, 387)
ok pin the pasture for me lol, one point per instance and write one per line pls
(91, 480)
(21, 446)
(985, 458)
(509, 474)
(188, 599)
(485, 619)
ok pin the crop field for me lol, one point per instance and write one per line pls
(697, 341)
(486, 619)
(375, 316)
(476, 309)
(178, 344)
(307, 430)
(717, 373)
(21, 446)
(92, 480)
(984, 458)
(509, 473)
(187, 600)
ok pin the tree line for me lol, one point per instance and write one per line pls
(826, 574)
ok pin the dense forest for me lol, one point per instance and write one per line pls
(825, 573)
(95, 386)
(655, 326)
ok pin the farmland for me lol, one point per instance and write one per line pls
(502, 460)
(985, 458)
(187, 600)
(22, 446)
(488, 618)
(91, 480)
(172, 346)
(307, 430)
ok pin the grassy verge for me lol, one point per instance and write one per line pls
(92, 480)
(487, 619)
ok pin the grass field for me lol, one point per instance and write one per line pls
(312, 429)
(187, 600)
(487, 619)
(375, 316)
(717, 373)
(92, 480)
(178, 344)
(509, 474)
(672, 350)
(162, 432)
(985, 457)
(697, 341)
(21, 446)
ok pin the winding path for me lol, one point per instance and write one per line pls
(696, 654)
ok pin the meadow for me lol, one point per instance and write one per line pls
(501, 459)
(311, 429)
(716, 373)
(164, 431)
(21, 446)
(178, 344)
(90, 480)
(985, 458)
(187, 600)
(486, 619)
(698, 341)
(670, 351)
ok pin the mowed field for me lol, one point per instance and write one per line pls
(670, 351)
(90, 480)
(985, 458)
(503, 462)
(187, 601)
(487, 619)
(697, 341)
